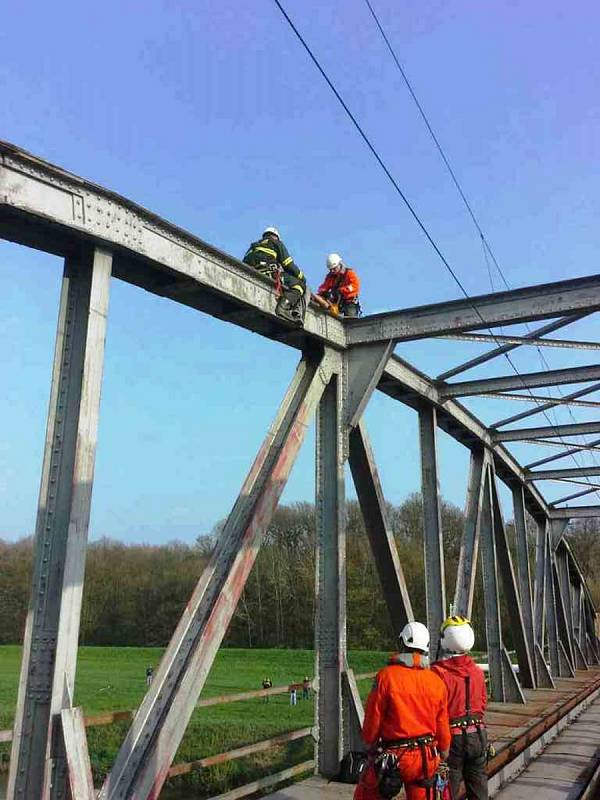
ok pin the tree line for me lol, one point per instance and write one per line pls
(135, 593)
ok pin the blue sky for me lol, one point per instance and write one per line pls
(211, 115)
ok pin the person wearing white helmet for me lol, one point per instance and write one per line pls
(270, 257)
(467, 701)
(406, 717)
(339, 291)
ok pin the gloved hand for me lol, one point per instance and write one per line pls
(491, 752)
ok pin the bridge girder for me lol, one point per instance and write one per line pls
(102, 234)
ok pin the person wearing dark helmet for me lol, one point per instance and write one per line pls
(406, 717)
(270, 257)
(467, 700)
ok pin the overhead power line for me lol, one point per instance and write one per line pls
(487, 249)
(391, 178)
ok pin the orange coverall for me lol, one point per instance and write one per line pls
(346, 283)
(405, 702)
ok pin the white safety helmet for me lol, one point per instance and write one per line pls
(457, 635)
(271, 230)
(415, 636)
(334, 261)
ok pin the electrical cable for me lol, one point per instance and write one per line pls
(393, 181)
(487, 250)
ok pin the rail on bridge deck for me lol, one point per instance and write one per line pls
(104, 236)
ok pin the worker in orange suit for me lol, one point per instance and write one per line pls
(406, 717)
(340, 288)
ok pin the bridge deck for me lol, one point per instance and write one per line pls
(564, 769)
(511, 727)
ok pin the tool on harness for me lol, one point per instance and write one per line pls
(422, 743)
(389, 781)
(442, 782)
(470, 720)
(352, 766)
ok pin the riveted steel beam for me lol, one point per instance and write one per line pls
(523, 572)
(557, 531)
(403, 382)
(435, 587)
(364, 367)
(540, 583)
(573, 496)
(562, 621)
(514, 604)
(500, 308)
(506, 348)
(145, 756)
(546, 406)
(559, 474)
(48, 208)
(381, 537)
(469, 546)
(560, 666)
(576, 512)
(538, 398)
(330, 628)
(50, 646)
(518, 341)
(530, 380)
(571, 451)
(543, 675)
(505, 686)
(547, 431)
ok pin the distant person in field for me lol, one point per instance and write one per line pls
(293, 695)
(149, 675)
(306, 688)
(267, 684)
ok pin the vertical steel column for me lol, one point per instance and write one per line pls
(559, 663)
(580, 616)
(573, 610)
(330, 631)
(381, 538)
(540, 582)
(435, 589)
(576, 610)
(523, 564)
(505, 686)
(562, 571)
(469, 547)
(542, 671)
(52, 630)
(564, 639)
(511, 594)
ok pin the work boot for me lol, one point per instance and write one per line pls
(289, 312)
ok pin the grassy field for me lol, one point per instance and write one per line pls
(113, 678)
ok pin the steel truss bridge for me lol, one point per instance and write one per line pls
(101, 236)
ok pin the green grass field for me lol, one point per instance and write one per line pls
(113, 679)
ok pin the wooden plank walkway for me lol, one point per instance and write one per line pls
(507, 723)
(564, 769)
